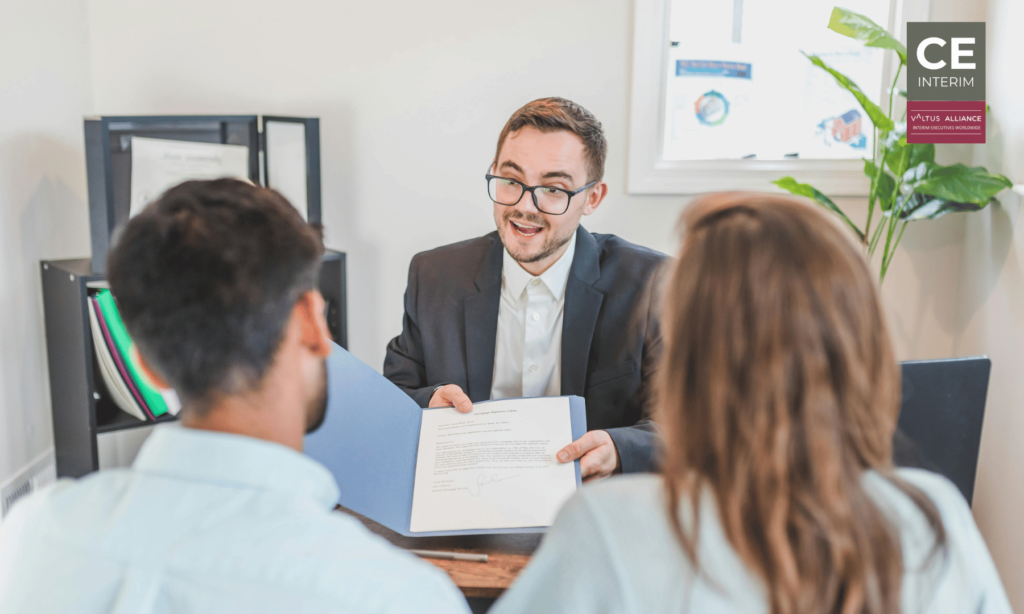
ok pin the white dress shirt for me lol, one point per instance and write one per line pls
(612, 550)
(528, 348)
(206, 522)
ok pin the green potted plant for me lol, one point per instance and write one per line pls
(907, 184)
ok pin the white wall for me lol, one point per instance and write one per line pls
(992, 301)
(411, 97)
(45, 89)
(960, 290)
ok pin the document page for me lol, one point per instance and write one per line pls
(158, 164)
(493, 468)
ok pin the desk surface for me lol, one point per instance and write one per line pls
(507, 555)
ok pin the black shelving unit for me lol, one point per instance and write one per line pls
(108, 160)
(82, 406)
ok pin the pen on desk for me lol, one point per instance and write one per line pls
(450, 556)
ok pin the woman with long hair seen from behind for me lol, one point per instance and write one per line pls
(778, 396)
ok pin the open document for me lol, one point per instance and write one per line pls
(427, 472)
(493, 468)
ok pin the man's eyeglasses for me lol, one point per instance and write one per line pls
(548, 199)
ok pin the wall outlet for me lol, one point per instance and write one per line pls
(39, 473)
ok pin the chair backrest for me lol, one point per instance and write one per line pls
(941, 416)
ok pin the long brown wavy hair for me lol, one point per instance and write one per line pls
(777, 391)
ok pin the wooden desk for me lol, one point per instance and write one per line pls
(507, 555)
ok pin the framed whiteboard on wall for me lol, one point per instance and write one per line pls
(741, 133)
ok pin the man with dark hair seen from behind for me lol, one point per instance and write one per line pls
(540, 307)
(216, 282)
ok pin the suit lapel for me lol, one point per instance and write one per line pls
(481, 324)
(582, 306)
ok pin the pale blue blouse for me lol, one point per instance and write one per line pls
(612, 550)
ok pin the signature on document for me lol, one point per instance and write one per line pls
(484, 479)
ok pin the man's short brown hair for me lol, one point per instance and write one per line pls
(551, 114)
(206, 278)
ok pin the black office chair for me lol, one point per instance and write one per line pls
(941, 416)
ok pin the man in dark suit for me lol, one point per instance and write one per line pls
(540, 307)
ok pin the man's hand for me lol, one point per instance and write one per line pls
(451, 396)
(599, 459)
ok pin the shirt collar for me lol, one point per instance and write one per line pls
(206, 456)
(515, 277)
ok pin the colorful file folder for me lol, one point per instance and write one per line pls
(129, 388)
(369, 440)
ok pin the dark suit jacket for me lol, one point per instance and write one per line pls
(610, 337)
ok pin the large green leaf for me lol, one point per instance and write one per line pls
(875, 113)
(917, 206)
(897, 156)
(803, 189)
(861, 28)
(902, 155)
(957, 183)
(920, 152)
(884, 188)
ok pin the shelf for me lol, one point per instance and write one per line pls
(82, 406)
(123, 421)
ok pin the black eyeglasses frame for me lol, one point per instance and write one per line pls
(531, 188)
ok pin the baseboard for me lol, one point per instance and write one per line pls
(38, 473)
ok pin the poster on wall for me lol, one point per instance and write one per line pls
(776, 107)
(738, 82)
(831, 123)
(710, 107)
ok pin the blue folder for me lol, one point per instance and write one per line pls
(369, 440)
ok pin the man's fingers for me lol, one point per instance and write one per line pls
(597, 454)
(437, 399)
(600, 462)
(451, 396)
(578, 448)
(589, 466)
(569, 453)
(456, 397)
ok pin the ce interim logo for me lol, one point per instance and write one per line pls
(946, 82)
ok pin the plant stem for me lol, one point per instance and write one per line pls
(894, 219)
(899, 237)
(874, 240)
(885, 252)
(887, 262)
(892, 90)
(874, 188)
(890, 247)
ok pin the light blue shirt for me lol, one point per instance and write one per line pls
(206, 522)
(612, 549)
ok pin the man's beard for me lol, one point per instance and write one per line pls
(316, 409)
(551, 245)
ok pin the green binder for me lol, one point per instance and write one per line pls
(150, 394)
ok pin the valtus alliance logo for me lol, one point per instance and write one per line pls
(946, 82)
